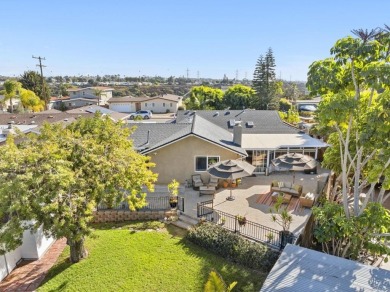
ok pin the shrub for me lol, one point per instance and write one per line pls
(234, 247)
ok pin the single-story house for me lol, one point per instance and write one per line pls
(183, 149)
(302, 104)
(301, 269)
(6, 105)
(262, 134)
(158, 104)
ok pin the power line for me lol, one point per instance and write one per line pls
(43, 84)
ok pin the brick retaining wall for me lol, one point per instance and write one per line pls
(119, 215)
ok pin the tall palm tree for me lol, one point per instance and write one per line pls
(98, 93)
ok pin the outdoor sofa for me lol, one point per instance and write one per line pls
(286, 187)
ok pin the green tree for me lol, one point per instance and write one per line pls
(357, 238)
(11, 90)
(32, 81)
(90, 161)
(204, 98)
(98, 93)
(264, 81)
(355, 105)
(238, 97)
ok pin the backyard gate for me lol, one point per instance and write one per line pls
(204, 208)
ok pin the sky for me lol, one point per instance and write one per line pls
(165, 38)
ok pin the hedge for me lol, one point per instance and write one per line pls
(233, 246)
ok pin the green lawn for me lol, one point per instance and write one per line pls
(133, 257)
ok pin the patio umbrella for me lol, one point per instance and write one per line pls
(231, 170)
(295, 162)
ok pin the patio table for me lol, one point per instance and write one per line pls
(206, 190)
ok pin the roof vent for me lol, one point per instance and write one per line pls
(66, 119)
(32, 122)
(249, 124)
(216, 114)
(50, 117)
(227, 113)
(232, 123)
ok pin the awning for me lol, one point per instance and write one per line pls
(276, 141)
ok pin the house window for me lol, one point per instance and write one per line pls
(163, 104)
(83, 93)
(146, 104)
(202, 163)
(171, 104)
(153, 104)
(74, 93)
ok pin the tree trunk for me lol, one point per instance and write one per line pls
(77, 250)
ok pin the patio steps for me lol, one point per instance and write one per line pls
(185, 222)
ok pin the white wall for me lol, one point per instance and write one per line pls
(159, 105)
(34, 246)
(11, 258)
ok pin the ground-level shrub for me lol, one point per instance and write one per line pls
(233, 246)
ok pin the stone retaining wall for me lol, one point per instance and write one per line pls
(102, 216)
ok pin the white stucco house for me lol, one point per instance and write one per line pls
(157, 104)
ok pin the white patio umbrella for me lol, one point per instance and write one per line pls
(231, 170)
(295, 162)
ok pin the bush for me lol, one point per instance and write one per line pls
(234, 247)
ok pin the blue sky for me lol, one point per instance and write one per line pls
(166, 37)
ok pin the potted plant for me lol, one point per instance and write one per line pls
(225, 183)
(223, 220)
(173, 188)
(269, 236)
(283, 219)
(241, 220)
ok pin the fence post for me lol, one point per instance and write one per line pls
(235, 224)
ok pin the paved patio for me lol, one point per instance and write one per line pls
(247, 196)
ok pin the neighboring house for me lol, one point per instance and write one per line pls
(158, 104)
(6, 105)
(307, 103)
(115, 116)
(180, 150)
(300, 269)
(88, 93)
(261, 133)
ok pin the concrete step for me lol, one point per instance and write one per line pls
(187, 219)
(181, 224)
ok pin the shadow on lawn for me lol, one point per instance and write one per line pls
(248, 279)
(133, 225)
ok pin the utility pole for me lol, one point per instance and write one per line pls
(236, 75)
(188, 73)
(43, 83)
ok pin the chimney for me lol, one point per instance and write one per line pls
(237, 134)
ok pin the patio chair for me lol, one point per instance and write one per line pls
(213, 182)
(196, 181)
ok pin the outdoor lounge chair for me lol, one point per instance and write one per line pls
(196, 181)
(213, 182)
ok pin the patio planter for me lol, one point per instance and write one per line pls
(285, 237)
(173, 202)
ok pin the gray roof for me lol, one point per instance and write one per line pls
(161, 134)
(264, 122)
(105, 111)
(169, 97)
(300, 269)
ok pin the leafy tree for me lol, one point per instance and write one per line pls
(264, 80)
(30, 101)
(32, 81)
(90, 161)
(291, 116)
(238, 97)
(215, 283)
(355, 88)
(11, 90)
(356, 238)
(203, 97)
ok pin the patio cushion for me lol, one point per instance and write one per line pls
(280, 184)
(288, 185)
(196, 180)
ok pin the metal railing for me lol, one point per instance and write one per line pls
(152, 203)
(252, 230)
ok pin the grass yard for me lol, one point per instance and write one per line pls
(144, 257)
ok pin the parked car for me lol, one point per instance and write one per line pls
(143, 114)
